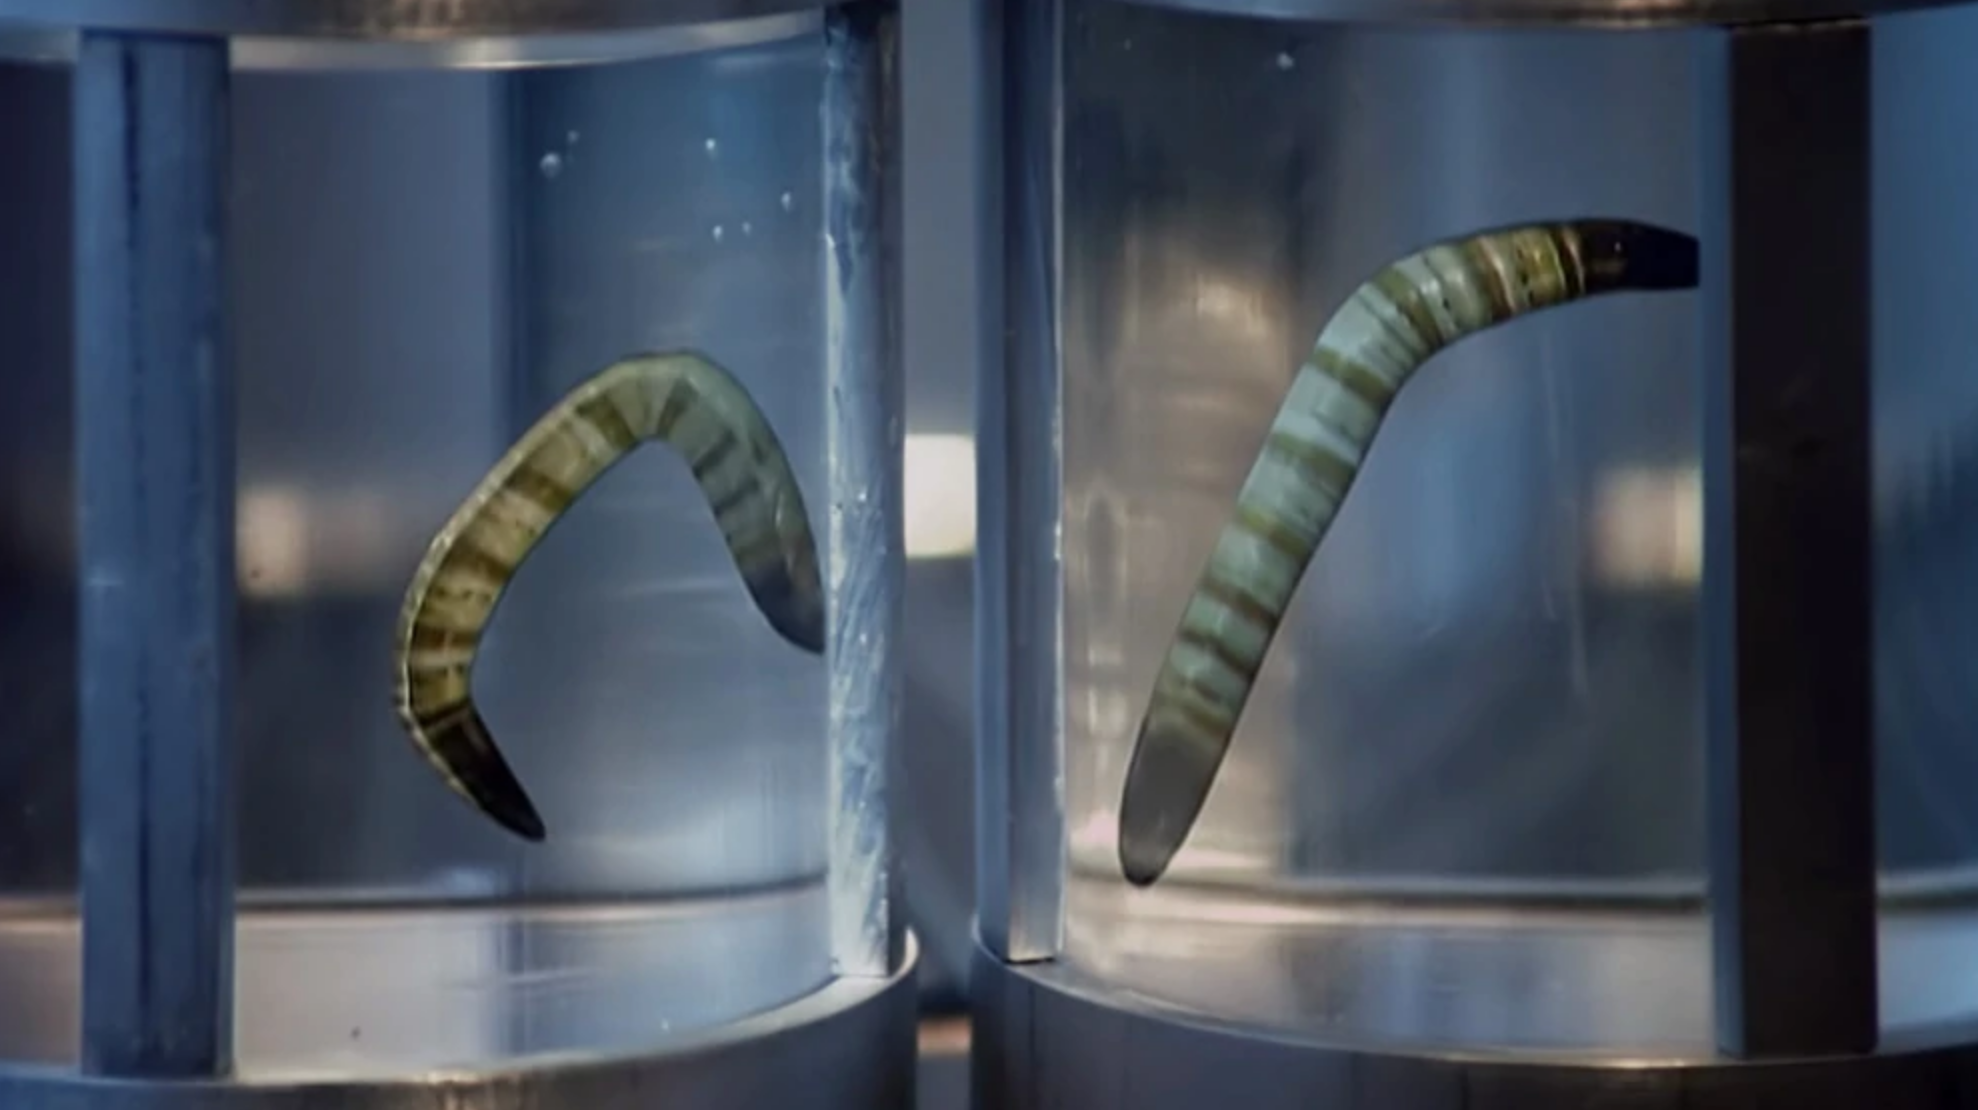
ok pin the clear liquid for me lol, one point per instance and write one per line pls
(412, 290)
(1428, 966)
(378, 989)
(1470, 773)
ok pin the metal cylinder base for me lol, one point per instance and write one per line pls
(1607, 14)
(389, 20)
(848, 1046)
(1047, 1036)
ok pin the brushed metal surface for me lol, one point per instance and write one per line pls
(1786, 369)
(1020, 664)
(864, 554)
(55, 45)
(1608, 14)
(156, 744)
(414, 20)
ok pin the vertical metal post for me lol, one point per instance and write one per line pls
(1787, 589)
(1020, 816)
(865, 546)
(155, 478)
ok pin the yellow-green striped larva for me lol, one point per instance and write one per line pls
(681, 399)
(1386, 330)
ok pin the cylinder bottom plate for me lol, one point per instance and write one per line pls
(1566, 967)
(1047, 1035)
(849, 1045)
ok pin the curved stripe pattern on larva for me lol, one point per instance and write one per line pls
(681, 399)
(1391, 325)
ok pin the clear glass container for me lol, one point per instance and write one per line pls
(1465, 806)
(428, 250)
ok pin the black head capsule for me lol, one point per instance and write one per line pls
(1621, 254)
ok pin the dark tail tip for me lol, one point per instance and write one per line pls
(796, 614)
(499, 794)
(1142, 862)
(1167, 783)
(1622, 254)
(522, 820)
(469, 751)
(805, 631)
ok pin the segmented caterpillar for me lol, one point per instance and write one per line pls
(682, 399)
(1390, 326)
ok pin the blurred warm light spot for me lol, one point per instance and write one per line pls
(271, 542)
(939, 496)
(1238, 306)
(290, 541)
(1648, 527)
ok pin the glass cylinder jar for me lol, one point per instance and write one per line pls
(1592, 755)
(330, 268)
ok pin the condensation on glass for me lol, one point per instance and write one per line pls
(431, 241)
(1466, 806)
